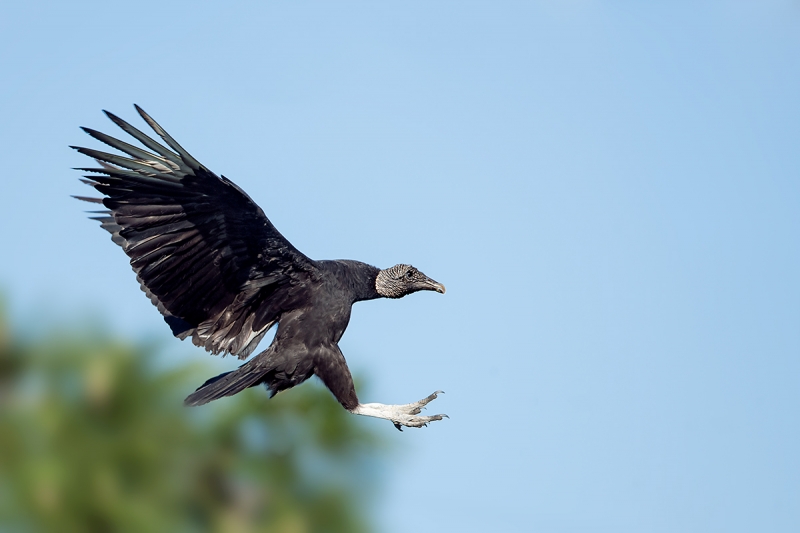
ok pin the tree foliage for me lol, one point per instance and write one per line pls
(94, 437)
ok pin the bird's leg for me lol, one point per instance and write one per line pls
(401, 415)
(332, 369)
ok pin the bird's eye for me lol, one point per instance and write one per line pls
(410, 274)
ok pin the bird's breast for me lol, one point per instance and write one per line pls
(323, 321)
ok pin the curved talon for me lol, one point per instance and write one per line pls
(417, 421)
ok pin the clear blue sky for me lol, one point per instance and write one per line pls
(609, 191)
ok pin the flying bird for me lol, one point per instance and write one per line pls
(221, 274)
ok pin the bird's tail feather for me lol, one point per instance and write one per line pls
(226, 384)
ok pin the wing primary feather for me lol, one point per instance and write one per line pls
(141, 183)
(116, 172)
(106, 166)
(88, 199)
(143, 138)
(110, 170)
(115, 159)
(193, 163)
(122, 146)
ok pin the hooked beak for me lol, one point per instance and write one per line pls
(434, 286)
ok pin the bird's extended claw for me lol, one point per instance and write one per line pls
(402, 415)
(432, 396)
(414, 409)
(411, 421)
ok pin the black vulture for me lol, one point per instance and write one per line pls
(217, 269)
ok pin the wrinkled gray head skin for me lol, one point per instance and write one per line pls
(399, 280)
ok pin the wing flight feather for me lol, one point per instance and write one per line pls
(203, 252)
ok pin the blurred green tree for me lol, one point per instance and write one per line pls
(94, 437)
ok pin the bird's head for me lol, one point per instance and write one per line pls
(399, 280)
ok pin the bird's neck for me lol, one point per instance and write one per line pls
(359, 278)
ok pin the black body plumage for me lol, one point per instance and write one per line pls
(220, 273)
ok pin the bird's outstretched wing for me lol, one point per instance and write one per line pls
(204, 252)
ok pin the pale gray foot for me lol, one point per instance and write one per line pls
(401, 415)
